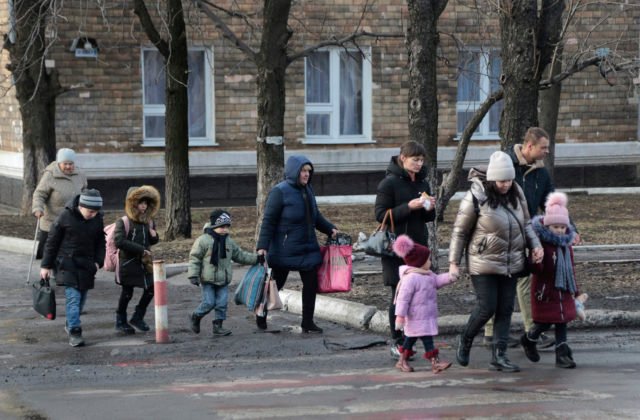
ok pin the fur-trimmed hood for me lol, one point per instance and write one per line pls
(134, 195)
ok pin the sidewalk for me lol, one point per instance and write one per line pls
(357, 315)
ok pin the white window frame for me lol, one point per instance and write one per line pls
(159, 110)
(333, 107)
(483, 131)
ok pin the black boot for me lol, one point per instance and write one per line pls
(310, 327)
(261, 322)
(564, 357)
(218, 329)
(464, 348)
(137, 320)
(529, 347)
(500, 361)
(122, 325)
(195, 323)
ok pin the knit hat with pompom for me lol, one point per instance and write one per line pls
(556, 212)
(413, 254)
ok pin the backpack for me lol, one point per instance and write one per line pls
(111, 262)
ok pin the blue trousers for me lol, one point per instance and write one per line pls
(75, 300)
(213, 297)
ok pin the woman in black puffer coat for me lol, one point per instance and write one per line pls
(401, 191)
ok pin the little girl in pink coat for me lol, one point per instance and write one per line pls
(417, 302)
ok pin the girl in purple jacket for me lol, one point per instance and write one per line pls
(417, 302)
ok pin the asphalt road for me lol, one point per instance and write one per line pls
(344, 373)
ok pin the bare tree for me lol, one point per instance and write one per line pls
(36, 89)
(175, 54)
(272, 60)
(422, 40)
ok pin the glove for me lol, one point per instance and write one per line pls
(399, 323)
(195, 281)
(261, 259)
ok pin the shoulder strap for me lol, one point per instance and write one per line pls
(125, 220)
(476, 204)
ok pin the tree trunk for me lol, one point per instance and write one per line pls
(177, 191)
(272, 64)
(422, 43)
(520, 69)
(36, 94)
(549, 108)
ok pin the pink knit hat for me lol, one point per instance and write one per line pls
(413, 254)
(556, 212)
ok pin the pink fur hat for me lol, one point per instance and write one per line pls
(413, 254)
(556, 212)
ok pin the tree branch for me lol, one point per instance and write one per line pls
(225, 30)
(140, 9)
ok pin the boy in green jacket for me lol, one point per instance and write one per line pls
(210, 263)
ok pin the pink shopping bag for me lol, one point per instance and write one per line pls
(334, 275)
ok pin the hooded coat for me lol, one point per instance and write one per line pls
(291, 217)
(418, 300)
(134, 271)
(494, 240)
(394, 192)
(74, 247)
(548, 303)
(54, 191)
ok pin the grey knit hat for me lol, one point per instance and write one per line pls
(66, 155)
(90, 199)
(219, 218)
(500, 167)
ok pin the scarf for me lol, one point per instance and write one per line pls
(565, 279)
(219, 247)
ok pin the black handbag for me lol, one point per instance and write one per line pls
(44, 299)
(380, 243)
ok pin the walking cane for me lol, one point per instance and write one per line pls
(33, 251)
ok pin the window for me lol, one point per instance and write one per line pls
(338, 97)
(200, 97)
(479, 72)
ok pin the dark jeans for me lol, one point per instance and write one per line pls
(427, 342)
(309, 290)
(495, 295)
(539, 328)
(127, 293)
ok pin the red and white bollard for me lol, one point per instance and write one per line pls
(161, 301)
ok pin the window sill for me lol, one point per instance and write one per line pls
(192, 143)
(488, 137)
(328, 141)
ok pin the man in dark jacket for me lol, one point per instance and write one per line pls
(401, 192)
(76, 249)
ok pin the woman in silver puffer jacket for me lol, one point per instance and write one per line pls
(494, 230)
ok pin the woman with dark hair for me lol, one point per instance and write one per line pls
(401, 191)
(493, 229)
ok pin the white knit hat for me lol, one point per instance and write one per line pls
(500, 167)
(66, 155)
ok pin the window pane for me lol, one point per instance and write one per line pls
(495, 64)
(317, 124)
(317, 78)
(463, 118)
(154, 126)
(350, 93)
(154, 79)
(494, 116)
(469, 77)
(196, 92)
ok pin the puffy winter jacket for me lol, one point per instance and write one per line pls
(54, 191)
(222, 274)
(394, 192)
(133, 271)
(74, 247)
(494, 239)
(291, 217)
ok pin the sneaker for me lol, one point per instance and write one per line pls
(75, 337)
(394, 351)
(544, 341)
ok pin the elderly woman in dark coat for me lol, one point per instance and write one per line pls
(401, 191)
(134, 242)
(288, 235)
